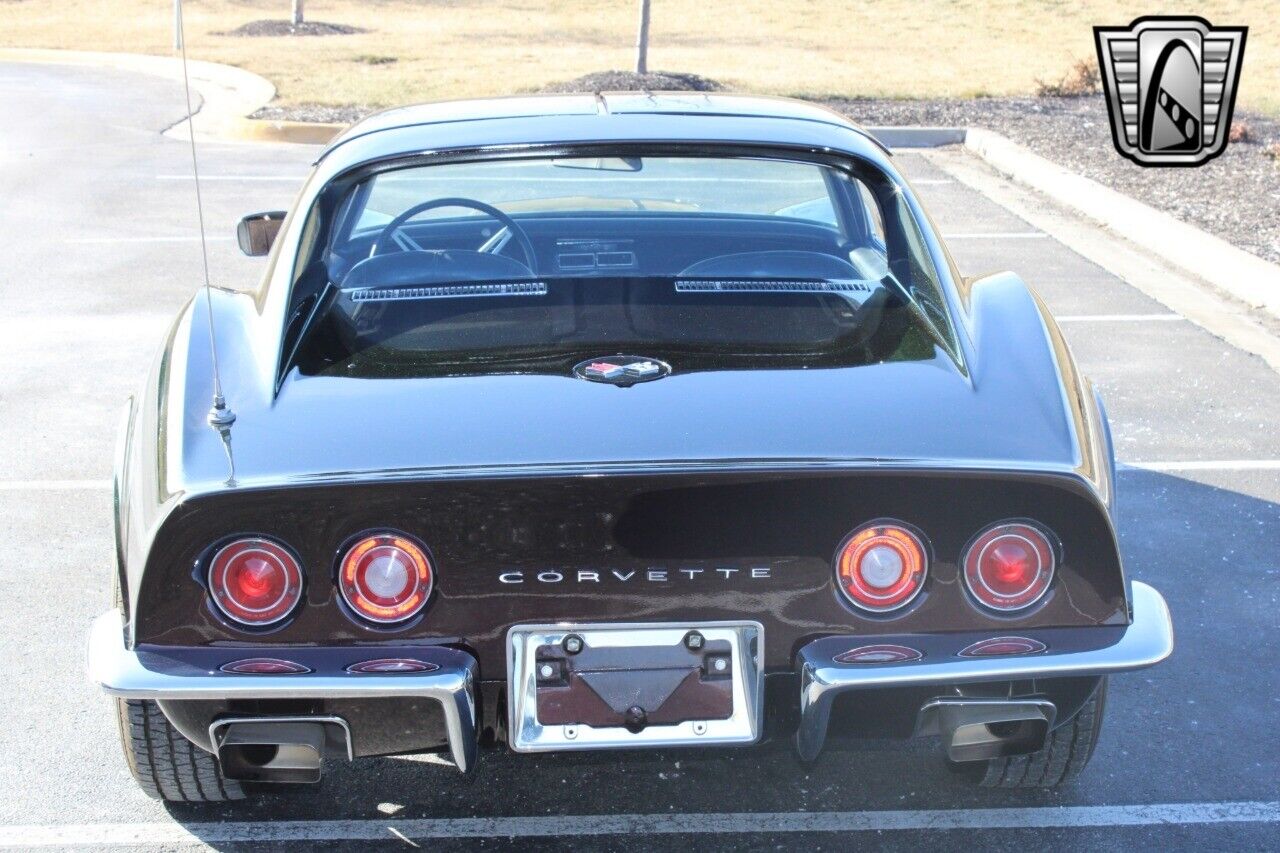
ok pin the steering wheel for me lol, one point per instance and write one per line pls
(526, 246)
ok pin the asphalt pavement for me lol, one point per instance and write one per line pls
(99, 249)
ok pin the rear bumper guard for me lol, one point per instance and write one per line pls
(1147, 641)
(148, 675)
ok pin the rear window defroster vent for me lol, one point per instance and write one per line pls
(450, 291)
(791, 285)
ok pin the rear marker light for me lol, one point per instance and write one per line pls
(881, 567)
(883, 653)
(264, 666)
(255, 582)
(1009, 566)
(391, 665)
(1003, 646)
(385, 578)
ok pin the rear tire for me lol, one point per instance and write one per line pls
(165, 764)
(1062, 759)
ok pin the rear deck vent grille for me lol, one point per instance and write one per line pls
(790, 285)
(449, 291)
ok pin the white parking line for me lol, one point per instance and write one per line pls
(1204, 465)
(185, 238)
(996, 235)
(43, 328)
(1178, 814)
(297, 179)
(1120, 318)
(52, 485)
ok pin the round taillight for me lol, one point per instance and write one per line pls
(255, 582)
(385, 578)
(1009, 566)
(881, 566)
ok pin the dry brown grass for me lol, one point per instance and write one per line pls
(458, 48)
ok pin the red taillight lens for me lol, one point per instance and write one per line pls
(264, 666)
(386, 578)
(255, 581)
(997, 646)
(391, 666)
(881, 567)
(1009, 566)
(880, 653)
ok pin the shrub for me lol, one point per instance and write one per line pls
(1082, 79)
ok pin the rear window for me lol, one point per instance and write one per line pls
(529, 265)
(605, 184)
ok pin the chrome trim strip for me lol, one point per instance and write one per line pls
(928, 717)
(1146, 642)
(1065, 471)
(230, 721)
(120, 672)
(527, 734)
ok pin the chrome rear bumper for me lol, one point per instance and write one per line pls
(152, 675)
(1145, 642)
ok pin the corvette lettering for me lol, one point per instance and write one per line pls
(552, 576)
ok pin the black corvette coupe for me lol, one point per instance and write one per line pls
(612, 422)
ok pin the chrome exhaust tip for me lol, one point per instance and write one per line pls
(278, 749)
(980, 729)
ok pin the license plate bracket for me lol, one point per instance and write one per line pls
(617, 686)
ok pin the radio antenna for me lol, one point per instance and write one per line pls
(219, 414)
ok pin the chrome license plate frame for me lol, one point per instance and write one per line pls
(742, 727)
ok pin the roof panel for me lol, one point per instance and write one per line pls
(611, 116)
(440, 112)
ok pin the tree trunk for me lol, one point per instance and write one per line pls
(297, 12)
(642, 40)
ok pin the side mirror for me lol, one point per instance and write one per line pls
(257, 231)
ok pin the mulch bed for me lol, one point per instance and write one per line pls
(1235, 196)
(630, 81)
(288, 28)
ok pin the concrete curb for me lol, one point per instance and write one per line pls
(1226, 268)
(227, 95)
(1223, 266)
(1182, 293)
